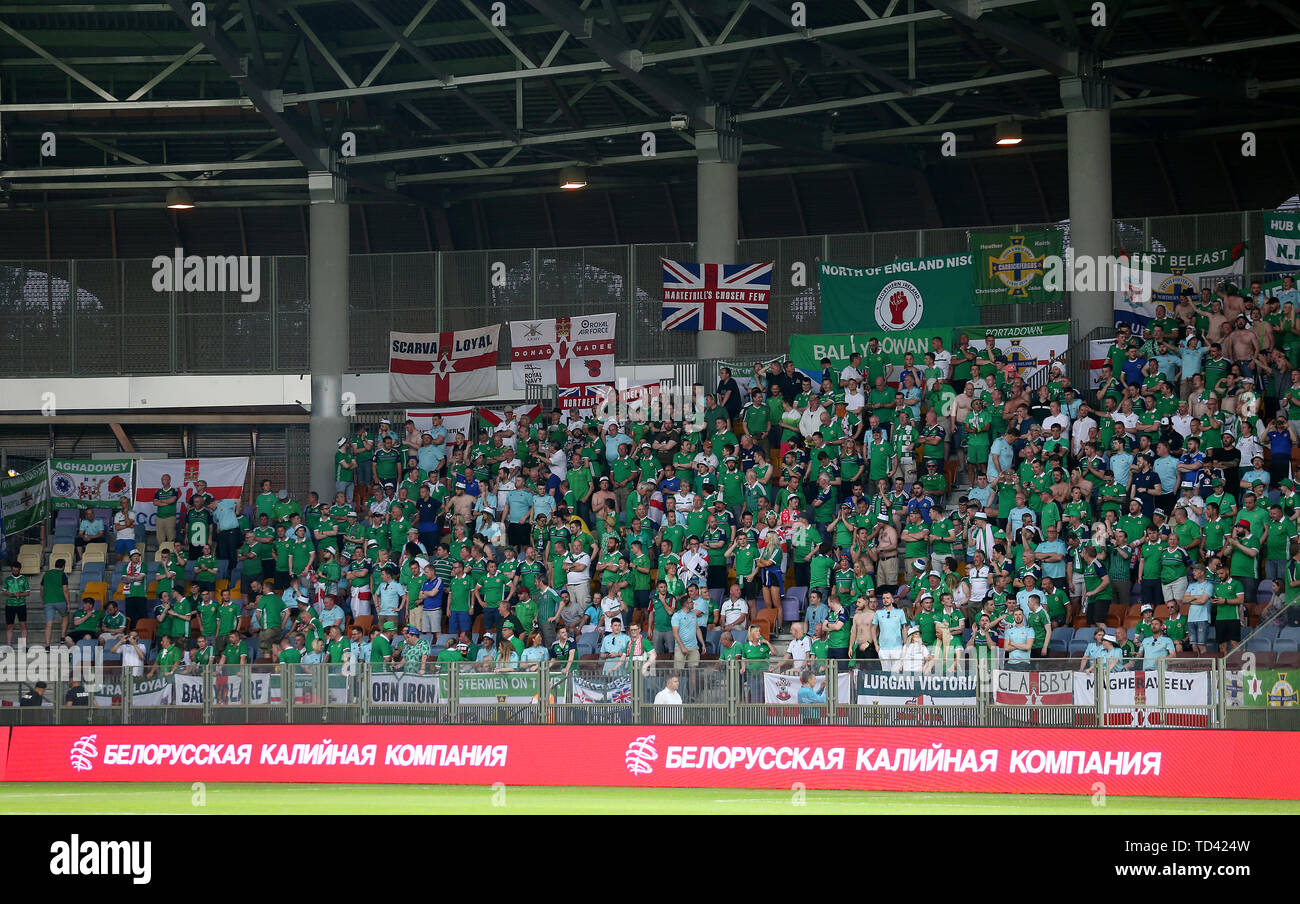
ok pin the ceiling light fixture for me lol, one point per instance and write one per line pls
(1008, 134)
(179, 199)
(573, 177)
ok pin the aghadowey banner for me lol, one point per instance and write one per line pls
(1009, 267)
(1138, 761)
(89, 484)
(1140, 294)
(922, 292)
(565, 351)
(1282, 241)
(224, 477)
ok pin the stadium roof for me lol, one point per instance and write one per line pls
(448, 109)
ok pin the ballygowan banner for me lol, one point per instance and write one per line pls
(1137, 298)
(1282, 241)
(915, 293)
(1032, 348)
(1008, 267)
(26, 499)
(89, 484)
(912, 689)
(807, 351)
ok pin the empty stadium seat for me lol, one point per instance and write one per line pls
(1066, 633)
(790, 609)
(91, 573)
(1286, 645)
(96, 590)
(94, 552)
(147, 627)
(801, 595)
(1259, 645)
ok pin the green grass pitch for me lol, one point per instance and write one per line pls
(228, 797)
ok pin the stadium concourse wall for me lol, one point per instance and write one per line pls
(1137, 762)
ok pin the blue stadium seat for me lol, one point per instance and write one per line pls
(94, 571)
(800, 594)
(1286, 645)
(1079, 646)
(1067, 633)
(790, 609)
(1259, 644)
(1290, 633)
(223, 569)
(1058, 643)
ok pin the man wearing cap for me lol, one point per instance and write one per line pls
(1279, 534)
(381, 648)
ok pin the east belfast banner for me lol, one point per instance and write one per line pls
(443, 367)
(224, 477)
(1008, 267)
(911, 689)
(915, 293)
(1030, 348)
(728, 297)
(1281, 241)
(26, 499)
(89, 484)
(566, 351)
(1147, 281)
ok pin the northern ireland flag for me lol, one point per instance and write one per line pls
(224, 477)
(441, 367)
(582, 398)
(728, 297)
(566, 351)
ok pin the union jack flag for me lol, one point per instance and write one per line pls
(728, 297)
(621, 693)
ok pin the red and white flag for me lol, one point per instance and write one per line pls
(442, 367)
(224, 477)
(566, 351)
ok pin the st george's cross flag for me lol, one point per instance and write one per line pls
(443, 367)
(566, 351)
(728, 297)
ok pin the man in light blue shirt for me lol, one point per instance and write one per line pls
(1121, 465)
(687, 647)
(614, 437)
(360, 646)
(1046, 553)
(519, 503)
(817, 611)
(389, 593)
(890, 623)
(1156, 647)
(1001, 456)
(1191, 355)
(1019, 641)
(1197, 597)
(1016, 517)
(613, 649)
(981, 493)
(1166, 468)
(543, 505)
(91, 528)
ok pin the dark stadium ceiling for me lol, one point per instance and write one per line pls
(446, 106)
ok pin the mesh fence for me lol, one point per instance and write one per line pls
(104, 317)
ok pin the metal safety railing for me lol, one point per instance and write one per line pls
(913, 689)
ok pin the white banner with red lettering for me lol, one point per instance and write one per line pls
(1097, 351)
(224, 477)
(442, 367)
(566, 351)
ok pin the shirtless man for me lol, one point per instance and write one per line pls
(885, 552)
(862, 635)
(1241, 346)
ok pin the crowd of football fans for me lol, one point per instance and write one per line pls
(1157, 508)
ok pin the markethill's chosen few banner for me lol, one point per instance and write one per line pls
(728, 297)
(915, 293)
(564, 351)
(1282, 242)
(1139, 298)
(89, 484)
(1008, 266)
(443, 367)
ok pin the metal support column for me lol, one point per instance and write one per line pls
(1087, 98)
(717, 215)
(328, 290)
